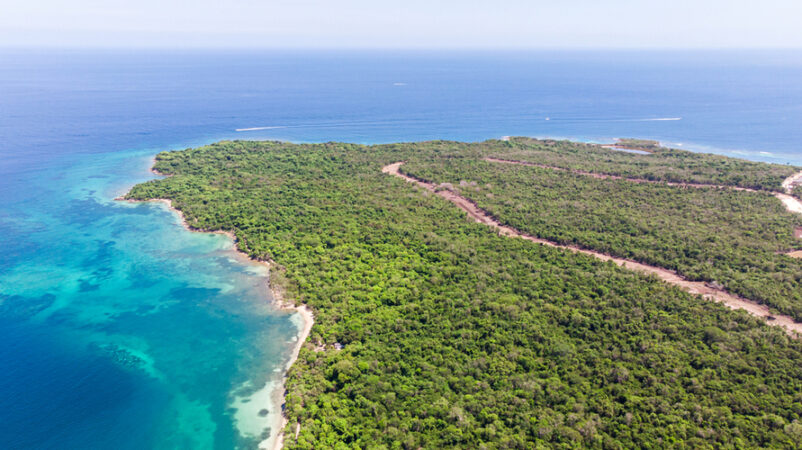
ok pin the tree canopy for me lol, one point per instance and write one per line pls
(454, 336)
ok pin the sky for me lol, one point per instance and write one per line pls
(417, 24)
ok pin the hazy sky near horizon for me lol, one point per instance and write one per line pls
(403, 24)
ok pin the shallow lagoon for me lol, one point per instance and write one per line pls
(115, 309)
(120, 329)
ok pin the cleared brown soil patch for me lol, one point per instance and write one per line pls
(792, 181)
(694, 287)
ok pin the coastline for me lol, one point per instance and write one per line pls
(275, 441)
(279, 394)
(278, 390)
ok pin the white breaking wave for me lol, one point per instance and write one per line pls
(258, 128)
(621, 119)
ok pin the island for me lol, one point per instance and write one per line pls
(518, 293)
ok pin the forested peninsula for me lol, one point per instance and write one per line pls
(452, 334)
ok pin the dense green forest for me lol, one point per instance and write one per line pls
(457, 337)
(661, 164)
(722, 236)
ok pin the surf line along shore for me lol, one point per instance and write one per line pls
(732, 301)
(275, 440)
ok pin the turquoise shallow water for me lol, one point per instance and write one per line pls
(120, 329)
(151, 324)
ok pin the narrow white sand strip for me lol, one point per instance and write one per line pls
(307, 319)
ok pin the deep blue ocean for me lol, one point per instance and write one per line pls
(119, 329)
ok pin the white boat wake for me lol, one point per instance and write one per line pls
(259, 128)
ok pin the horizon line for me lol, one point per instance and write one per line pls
(392, 48)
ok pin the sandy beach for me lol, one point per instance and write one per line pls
(275, 440)
(303, 334)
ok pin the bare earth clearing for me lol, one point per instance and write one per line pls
(793, 180)
(694, 287)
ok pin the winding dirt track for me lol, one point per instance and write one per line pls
(790, 203)
(694, 287)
